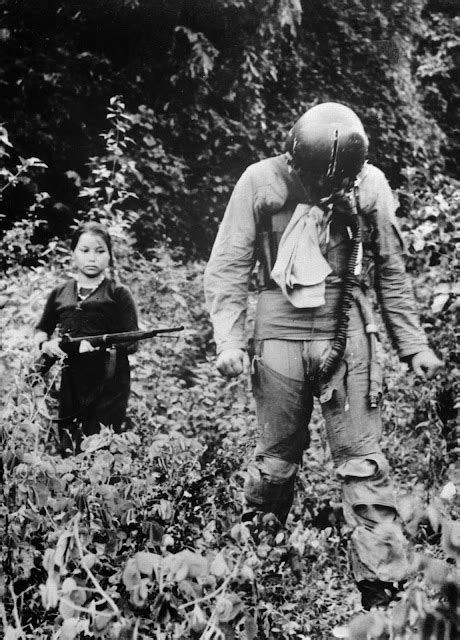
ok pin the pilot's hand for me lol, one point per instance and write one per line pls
(232, 362)
(426, 364)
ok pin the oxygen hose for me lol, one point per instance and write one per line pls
(337, 349)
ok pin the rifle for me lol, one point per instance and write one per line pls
(71, 345)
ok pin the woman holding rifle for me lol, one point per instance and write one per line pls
(95, 383)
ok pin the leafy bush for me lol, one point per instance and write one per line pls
(432, 233)
(210, 89)
(437, 70)
(18, 245)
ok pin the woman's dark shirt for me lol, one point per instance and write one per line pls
(109, 309)
(95, 386)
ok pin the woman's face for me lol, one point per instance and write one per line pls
(91, 255)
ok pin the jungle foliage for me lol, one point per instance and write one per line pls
(143, 114)
(211, 87)
(139, 536)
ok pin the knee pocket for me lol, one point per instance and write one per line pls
(367, 490)
(373, 465)
(272, 470)
(270, 481)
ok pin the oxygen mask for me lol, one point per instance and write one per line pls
(343, 201)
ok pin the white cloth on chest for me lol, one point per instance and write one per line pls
(300, 269)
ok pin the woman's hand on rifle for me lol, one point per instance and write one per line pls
(52, 348)
(85, 347)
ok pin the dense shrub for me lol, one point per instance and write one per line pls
(438, 71)
(211, 88)
(139, 535)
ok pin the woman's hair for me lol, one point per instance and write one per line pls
(96, 229)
